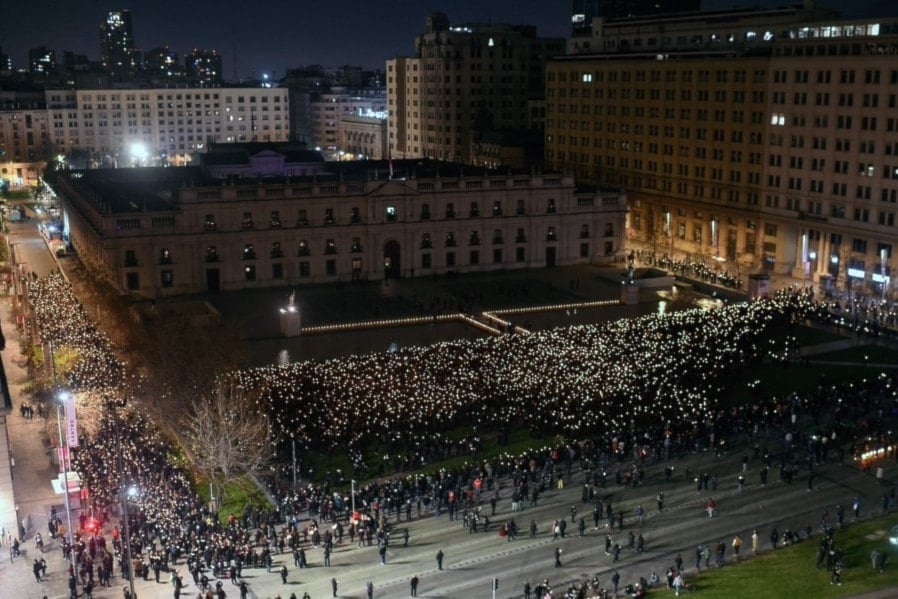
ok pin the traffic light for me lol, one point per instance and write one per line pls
(495, 584)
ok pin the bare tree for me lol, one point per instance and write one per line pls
(228, 435)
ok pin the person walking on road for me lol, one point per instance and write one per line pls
(334, 586)
(369, 587)
(558, 557)
(440, 559)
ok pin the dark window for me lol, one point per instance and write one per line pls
(330, 267)
(165, 256)
(450, 259)
(304, 269)
(212, 254)
(356, 216)
(168, 278)
(276, 250)
(584, 250)
(275, 219)
(209, 225)
(425, 261)
(132, 281)
(249, 252)
(519, 254)
(497, 255)
(277, 270)
(474, 257)
(249, 272)
(130, 258)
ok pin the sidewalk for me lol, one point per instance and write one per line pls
(32, 491)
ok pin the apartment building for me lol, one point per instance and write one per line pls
(463, 79)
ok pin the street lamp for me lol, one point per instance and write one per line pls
(66, 401)
(131, 493)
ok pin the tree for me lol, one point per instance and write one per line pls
(228, 435)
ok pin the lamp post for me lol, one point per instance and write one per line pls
(63, 398)
(132, 492)
(352, 497)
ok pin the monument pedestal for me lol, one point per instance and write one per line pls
(291, 325)
(758, 286)
(629, 294)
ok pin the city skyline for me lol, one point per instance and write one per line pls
(278, 36)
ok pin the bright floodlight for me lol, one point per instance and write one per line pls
(138, 151)
(63, 396)
(132, 491)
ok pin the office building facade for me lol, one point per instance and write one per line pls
(767, 140)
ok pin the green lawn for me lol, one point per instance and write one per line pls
(238, 494)
(790, 572)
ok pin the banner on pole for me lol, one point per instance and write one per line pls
(71, 422)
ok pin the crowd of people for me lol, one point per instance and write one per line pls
(627, 391)
(700, 270)
(573, 381)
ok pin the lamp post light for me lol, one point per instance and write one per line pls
(64, 399)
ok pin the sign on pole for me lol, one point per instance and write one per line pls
(71, 421)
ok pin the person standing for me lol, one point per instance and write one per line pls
(413, 584)
(755, 542)
(558, 557)
(284, 574)
(737, 545)
(526, 589)
(369, 588)
(334, 586)
(615, 580)
(440, 559)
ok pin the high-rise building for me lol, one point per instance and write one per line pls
(758, 140)
(204, 67)
(162, 63)
(463, 79)
(41, 60)
(118, 53)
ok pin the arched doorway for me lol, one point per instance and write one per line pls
(392, 265)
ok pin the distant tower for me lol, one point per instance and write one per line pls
(204, 67)
(118, 53)
(41, 60)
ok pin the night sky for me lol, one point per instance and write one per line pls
(270, 36)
